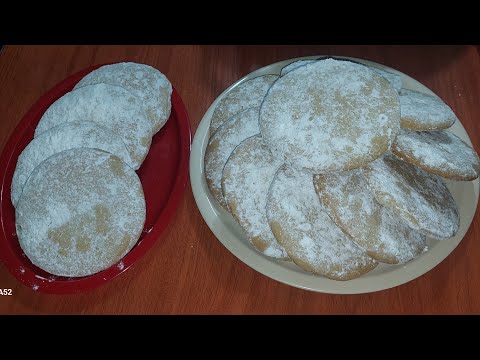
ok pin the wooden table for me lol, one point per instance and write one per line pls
(188, 271)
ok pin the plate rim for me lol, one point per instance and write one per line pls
(88, 283)
(219, 220)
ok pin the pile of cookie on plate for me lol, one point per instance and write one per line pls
(337, 167)
(79, 204)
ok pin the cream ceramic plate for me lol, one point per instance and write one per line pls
(384, 276)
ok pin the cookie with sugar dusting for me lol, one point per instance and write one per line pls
(63, 137)
(144, 81)
(375, 229)
(423, 112)
(312, 240)
(246, 95)
(330, 115)
(110, 106)
(419, 198)
(80, 212)
(221, 145)
(394, 79)
(438, 152)
(246, 179)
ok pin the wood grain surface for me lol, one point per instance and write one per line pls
(188, 271)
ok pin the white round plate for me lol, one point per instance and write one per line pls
(383, 276)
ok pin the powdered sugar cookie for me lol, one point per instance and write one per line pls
(422, 112)
(110, 106)
(246, 95)
(144, 81)
(438, 152)
(221, 145)
(330, 115)
(63, 137)
(310, 237)
(419, 198)
(375, 229)
(80, 212)
(247, 176)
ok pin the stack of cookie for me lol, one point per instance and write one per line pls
(335, 166)
(79, 204)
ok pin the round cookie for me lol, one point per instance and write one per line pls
(144, 81)
(422, 112)
(438, 152)
(110, 106)
(246, 179)
(310, 237)
(375, 229)
(330, 115)
(221, 145)
(66, 136)
(80, 212)
(246, 95)
(419, 198)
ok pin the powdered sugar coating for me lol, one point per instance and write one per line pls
(423, 112)
(329, 115)
(144, 81)
(419, 198)
(310, 237)
(81, 211)
(246, 179)
(221, 145)
(63, 137)
(246, 95)
(438, 152)
(110, 106)
(374, 228)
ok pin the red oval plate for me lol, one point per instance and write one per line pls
(164, 175)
